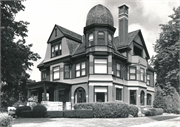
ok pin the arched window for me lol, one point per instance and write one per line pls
(142, 97)
(90, 39)
(79, 95)
(149, 99)
(101, 40)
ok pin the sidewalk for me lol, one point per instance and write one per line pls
(175, 122)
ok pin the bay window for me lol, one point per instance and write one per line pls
(56, 73)
(100, 66)
(118, 69)
(132, 73)
(142, 78)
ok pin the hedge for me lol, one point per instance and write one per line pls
(39, 111)
(85, 113)
(133, 110)
(20, 109)
(106, 110)
(27, 114)
(153, 112)
(55, 114)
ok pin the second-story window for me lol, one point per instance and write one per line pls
(148, 79)
(118, 69)
(142, 75)
(56, 50)
(132, 73)
(101, 40)
(90, 39)
(80, 69)
(100, 66)
(67, 71)
(110, 39)
(56, 73)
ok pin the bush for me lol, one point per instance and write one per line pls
(16, 105)
(133, 110)
(39, 111)
(5, 119)
(159, 99)
(153, 112)
(84, 113)
(106, 110)
(20, 109)
(55, 114)
(27, 114)
(4, 110)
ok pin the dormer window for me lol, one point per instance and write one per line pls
(56, 50)
(101, 40)
(138, 51)
(90, 39)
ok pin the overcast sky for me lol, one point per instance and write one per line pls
(71, 14)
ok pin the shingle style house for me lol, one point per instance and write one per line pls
(96, 66)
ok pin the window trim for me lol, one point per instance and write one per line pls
(120, 95)
(59, 50)
(81, 69)
(133, 73)
(148, 80)
(69, 71)
(143, 74)
(53, 73)
(106, 66)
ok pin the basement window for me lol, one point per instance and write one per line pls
(138, 51)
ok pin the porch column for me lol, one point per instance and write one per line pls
(29, 93)
(45, 91)
(39, 95)
(51, 94)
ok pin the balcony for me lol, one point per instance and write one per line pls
(138, 59)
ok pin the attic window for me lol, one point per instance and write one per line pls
(56, 50)
(55, 32)
(101, 40)
(138, 51)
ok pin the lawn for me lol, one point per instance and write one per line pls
(92, 122)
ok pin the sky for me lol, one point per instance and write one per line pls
(71, 14)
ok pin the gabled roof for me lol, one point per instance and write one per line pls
(131, 36)
(67, 33)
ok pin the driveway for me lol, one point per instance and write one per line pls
(166, 120)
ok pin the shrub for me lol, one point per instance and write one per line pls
(27, 114)
(55, 114)
(80, 113)
(153, 112)
(106, 110)
(133, 110)
(159, 99)
(39, 111)
(4, 110)
(5, 119)
(16, 105)
(20, 109)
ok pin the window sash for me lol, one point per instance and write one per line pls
(132, 73)
(118, 94)
(66, 71)
(100, 66)
(56, 50)
(142, 74)
(133, 97)
(56, 73)
(148, 79)
(81, 69)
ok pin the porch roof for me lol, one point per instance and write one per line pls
(42, 84)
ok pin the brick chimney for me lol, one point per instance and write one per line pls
(123, 23)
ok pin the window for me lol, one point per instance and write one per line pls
(148, 99)
(118, 94)
(80, 69)
(138, 51)
(101, 40)
(118, 69)
(80, 95)
(110, 39)
(133, 97)
(142, 75)
(66, 71)
(142, 98)
(90, 39)
(43, 74)
(100, 94)
(132, 73)
(148, 79)
(56, 73)
(100, 66)
(56, 50)
(62, 95)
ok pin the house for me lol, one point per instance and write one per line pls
(96, 66)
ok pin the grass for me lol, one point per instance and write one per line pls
(99, 122)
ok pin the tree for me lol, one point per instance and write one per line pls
(17, 57)
(165, 61)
